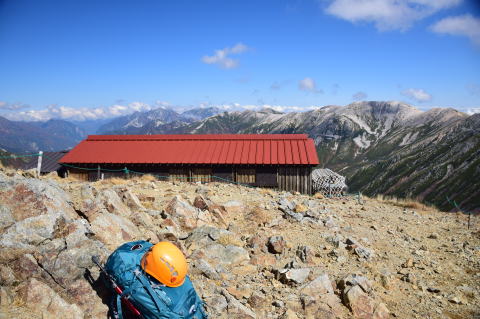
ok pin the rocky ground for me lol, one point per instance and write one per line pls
(252, 253)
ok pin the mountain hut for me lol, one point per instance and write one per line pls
(282, 161)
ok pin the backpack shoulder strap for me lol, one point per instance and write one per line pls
(158, 299)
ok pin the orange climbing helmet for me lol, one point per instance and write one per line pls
(166, 263)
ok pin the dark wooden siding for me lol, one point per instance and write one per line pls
(224, 173)
(266, 176)
(288, 178)
(295, 179)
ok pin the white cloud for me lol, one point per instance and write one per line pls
(464, 25)
(359, 96)
(473, 110)
(222, 59)
(13, 106)
(82, 113)
(387, 14)
(309, 85)
(418, 95)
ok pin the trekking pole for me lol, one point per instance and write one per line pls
(117, 289)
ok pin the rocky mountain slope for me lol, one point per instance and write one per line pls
(382, 147)
(151, 122)
(252, 253)
(29, 137)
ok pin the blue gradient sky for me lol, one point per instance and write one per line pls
(95, 54)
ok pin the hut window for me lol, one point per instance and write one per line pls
(246, 175)
(178, 174)
(203, 175)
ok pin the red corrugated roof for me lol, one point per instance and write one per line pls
(286, 149)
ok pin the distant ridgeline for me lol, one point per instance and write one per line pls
(386, 148)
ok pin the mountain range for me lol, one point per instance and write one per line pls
(386, 148)
(152, 121)
(27, 137)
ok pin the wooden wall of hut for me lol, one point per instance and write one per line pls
(295, 179)
(288, 178)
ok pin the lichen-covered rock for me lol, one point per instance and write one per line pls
(114, 230)
(44, 301)
(26, 197)
(185, 214)
(113, 203)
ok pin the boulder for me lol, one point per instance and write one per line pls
(113, 203)
(201, 203)
(113, 230)
(355, 280)
(83, 295)
(5, 297)
(363, 252)
(185, 214)
(25, 198)
(43, 300)
(216, 305)
(7, 276)
(319, 286)
(6, 217)
(257, 299)
(236, 309)
(361, 305)
(305, 253)
(276, 244)
(226, 255)
(30, 231)
(131, 200)
(293, 276)
(318, 298)
(263, 260)
(205, 269)
(234, 208)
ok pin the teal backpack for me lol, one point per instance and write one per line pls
(153, 299)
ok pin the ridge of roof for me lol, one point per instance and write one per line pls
(184, 137)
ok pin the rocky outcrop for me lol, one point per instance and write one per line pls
(252, 253)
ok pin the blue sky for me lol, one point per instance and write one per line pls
(94, 59)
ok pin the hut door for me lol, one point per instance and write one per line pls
(203, 175)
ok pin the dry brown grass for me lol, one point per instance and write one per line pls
(148, 178)
(230, 240)
(266, 191)
(405, 203)
(54, 176)
(112, 181)
(148, 204)
(259, 216)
